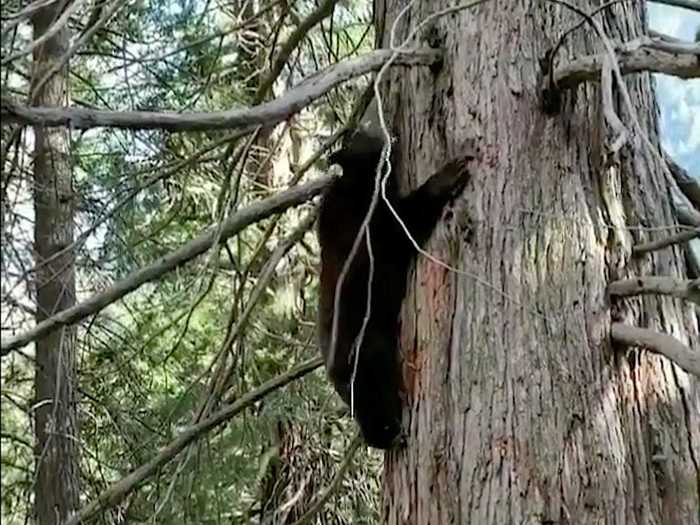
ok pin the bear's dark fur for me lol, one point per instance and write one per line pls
(376, 402)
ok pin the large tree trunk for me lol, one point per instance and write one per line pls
(56, 417)
(520, 408)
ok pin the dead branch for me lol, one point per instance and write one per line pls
(317, 15)
(686, 289)
(683, 209)
(116, 492)
(223, 371)
(663, 344)
(645, 53)
(200, 244)
(679, 238)
(663, 42)
(690, 186)
(267, 114)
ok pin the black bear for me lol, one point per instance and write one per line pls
(375, 394)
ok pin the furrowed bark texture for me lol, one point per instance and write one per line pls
(520, 411)
(57, 487)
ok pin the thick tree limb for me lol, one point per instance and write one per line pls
(119, 489)
(685, 199)
(690, 186)
(652, 54)
(683, 209)
(679, 238)
(664, 344)
(230, 227)
(679, 288)
(267, 114)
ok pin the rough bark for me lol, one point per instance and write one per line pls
(519, 408)
(57, 487)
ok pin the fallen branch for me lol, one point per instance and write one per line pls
(678, 238)
(688, 290)
(663, 344)
(267, 114)
(116, 492)
(200, 244)
(645, 53)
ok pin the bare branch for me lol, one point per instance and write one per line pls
(642, 54)
(679, 238)
(683, 209)
(222, 370)
(690, 186)
(200, 244)
(685, 191)
(664, 42)
(663, 344)
(267, 114)
(686, 289)
(321, 12)
(116, 492)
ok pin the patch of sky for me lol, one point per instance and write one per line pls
(678, 99)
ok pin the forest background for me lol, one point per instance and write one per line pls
(230, 324)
